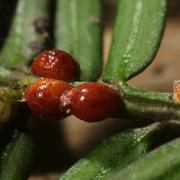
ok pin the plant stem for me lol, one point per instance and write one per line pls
(8, 103)
(138, 103)
(149, 104)
(11, 89)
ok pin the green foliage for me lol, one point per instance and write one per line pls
(136, 38)
(16, 158)
(78, 31)
(162, 163)
(27, 34)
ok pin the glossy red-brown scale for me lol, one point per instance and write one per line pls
(91, 101)
(55, 64)
(43, 98)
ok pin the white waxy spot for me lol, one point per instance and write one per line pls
(82, 98)
(43, 87)
(40, 94)
(84, 90)
(68, 111)
(21, 100)
(65, 100)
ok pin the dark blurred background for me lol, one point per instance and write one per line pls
(59, 145)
